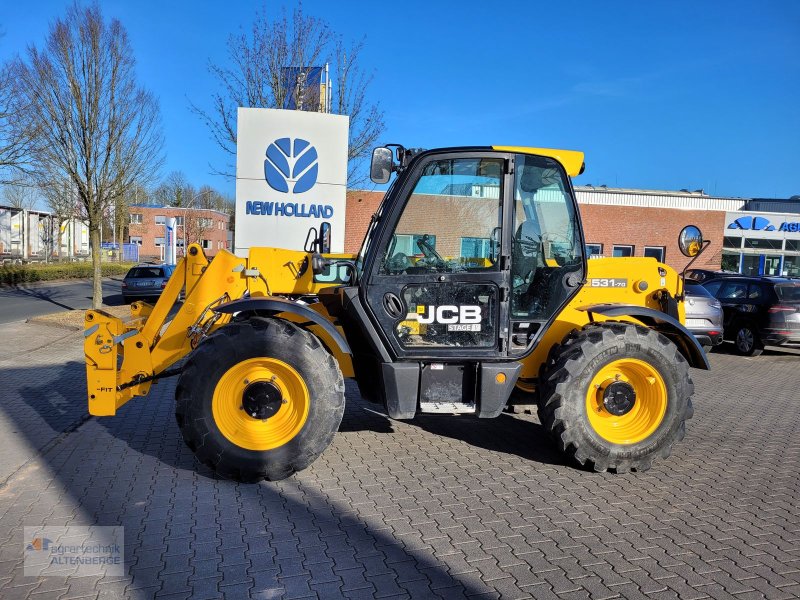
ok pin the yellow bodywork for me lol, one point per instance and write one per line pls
(124, 356)
(571, 159)
(644, 282)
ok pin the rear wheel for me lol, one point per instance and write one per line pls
(615, 396)
(259, 399)
(747, 341)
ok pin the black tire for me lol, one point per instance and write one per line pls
(746, 340)
(566, 379)
(255, 338)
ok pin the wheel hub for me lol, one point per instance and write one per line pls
(261, 400)
(619, 398)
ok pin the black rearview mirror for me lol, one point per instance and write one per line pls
(324, 244)
(382, 165)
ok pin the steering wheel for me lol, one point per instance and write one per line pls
(398, 263)
(428, 251)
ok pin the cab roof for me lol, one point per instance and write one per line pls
(571, 159)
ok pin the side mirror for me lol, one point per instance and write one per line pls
(382, 165)
(690, 241)
(324, 240)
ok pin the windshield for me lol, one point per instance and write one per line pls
(370, 228)
(788, 292)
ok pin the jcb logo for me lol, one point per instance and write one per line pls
(447, 315)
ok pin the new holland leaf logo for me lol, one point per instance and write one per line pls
(291, 162)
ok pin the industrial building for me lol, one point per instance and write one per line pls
(747, 235)
(32, 235)
(205, 226)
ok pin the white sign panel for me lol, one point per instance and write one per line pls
(760, 224)
(291, 174)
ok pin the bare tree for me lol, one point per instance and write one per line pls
(97, 128)
(15, 135)
(60, 197)
(21, 194)
(257, 75)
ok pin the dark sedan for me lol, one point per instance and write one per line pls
(145, 281)
(758, 311)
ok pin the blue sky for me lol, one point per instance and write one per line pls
(663, 95)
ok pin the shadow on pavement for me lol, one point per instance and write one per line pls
(46, 294)
(786, 350)
(507, 434)
(189, 532)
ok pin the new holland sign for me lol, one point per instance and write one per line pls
(291, 174)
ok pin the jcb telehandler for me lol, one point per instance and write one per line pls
(472, 288)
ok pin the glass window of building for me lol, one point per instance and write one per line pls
(622, 251)
(136, 218)
(793, 245)
(763, 243)
(159, 241)
(730, 261)
(473, 247)
(750, 264)
(731, 242)
(656, 252)
(135, 239)
(791, 266)
(161, 220)
(594, 250)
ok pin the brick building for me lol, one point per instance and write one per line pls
(205, 226)
(623, 222)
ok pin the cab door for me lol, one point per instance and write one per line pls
(438, 282)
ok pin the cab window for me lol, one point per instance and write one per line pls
(546, 246)
(451, 221)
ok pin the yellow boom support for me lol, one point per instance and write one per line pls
(123, 357)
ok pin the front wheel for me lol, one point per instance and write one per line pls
(615, 396)
(747, 341)
(259, 399)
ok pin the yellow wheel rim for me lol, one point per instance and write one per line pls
(526, 386)
(648, 408)
(256, 434)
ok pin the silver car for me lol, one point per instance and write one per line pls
(703, 315)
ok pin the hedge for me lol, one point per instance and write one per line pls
(14, 274)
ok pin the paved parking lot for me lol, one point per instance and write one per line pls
(439, 507)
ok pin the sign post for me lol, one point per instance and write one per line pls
(170, 243)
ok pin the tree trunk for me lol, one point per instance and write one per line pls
(97, 279)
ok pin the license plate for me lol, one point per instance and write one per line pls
(145, 284)
(696, 322)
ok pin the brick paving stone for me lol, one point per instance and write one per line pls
(438, 507)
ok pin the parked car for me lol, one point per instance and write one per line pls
(145, 281)
(758, 311)
(703, 315)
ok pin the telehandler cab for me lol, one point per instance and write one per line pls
(472, 289)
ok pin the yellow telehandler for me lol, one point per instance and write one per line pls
(472, 290)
